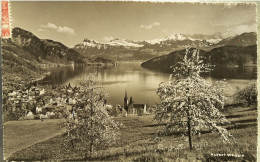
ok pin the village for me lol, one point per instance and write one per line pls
(39, 103)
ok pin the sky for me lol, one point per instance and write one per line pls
(72, 22)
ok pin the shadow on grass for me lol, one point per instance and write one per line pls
(234, 116)
(155, 125)
(242, 126)
(251, 109)
(243, 121)
(112, 156)
(232, 126)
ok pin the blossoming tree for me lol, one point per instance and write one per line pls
(90, 126)
(189, 103)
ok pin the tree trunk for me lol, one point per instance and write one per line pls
(91, 149)
(189, 116)
(189, 133)
(189, 125)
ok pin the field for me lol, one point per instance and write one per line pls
(22, 134)
(139, 143)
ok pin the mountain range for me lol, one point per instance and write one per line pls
(125, 50)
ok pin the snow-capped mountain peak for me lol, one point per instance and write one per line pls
(196, 37)
(174, 37)
(87, 43)
(123, 42)
(177, 37)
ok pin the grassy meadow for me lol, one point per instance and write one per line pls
(22, 134)
(138, 142)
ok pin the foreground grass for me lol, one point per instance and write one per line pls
(138, 143)
(22, 134)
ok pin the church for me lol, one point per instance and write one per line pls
(133, 109)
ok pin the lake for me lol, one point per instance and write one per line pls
(140, 83)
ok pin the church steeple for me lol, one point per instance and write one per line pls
(126, 101)
(131, 100)
(125, 94)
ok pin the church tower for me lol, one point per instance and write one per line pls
(126, 101)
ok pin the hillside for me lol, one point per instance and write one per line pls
(163, 63)
(18, 64)
(221, 56)
(233, 56)
(44, 51)
(137, 141)
(245, 39)
(25, 54)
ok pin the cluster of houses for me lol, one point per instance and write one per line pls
(41, 104)
(30, 94)
(31, 99)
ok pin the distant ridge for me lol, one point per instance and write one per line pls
(221, 56)
(129, 50)
(245, 39)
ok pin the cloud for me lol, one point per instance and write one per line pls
(150, 26)
(60, 29)
(108, 39)
(41, 30)
(49, 26)
(156, 24)
(66, 30)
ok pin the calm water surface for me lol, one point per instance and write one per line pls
(140, 83)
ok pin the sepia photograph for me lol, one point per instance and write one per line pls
(129, 81)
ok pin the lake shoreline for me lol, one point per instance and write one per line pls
(140, 83)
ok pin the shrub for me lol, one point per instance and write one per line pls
(114, 111)
(247, 95)
(53, 116)
(14, 113)
(37, 116)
